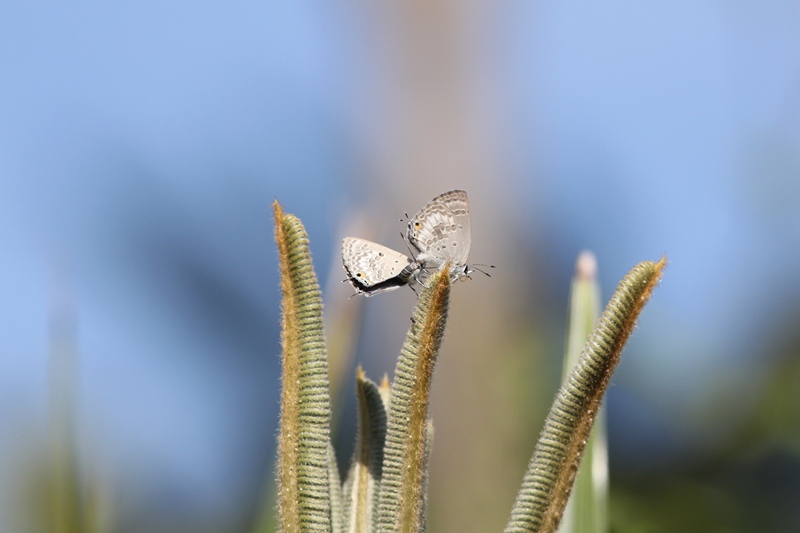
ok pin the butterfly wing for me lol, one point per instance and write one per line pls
(440, 231)
(372, 268)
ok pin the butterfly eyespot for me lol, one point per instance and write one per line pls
(380, 254)
(359, 274)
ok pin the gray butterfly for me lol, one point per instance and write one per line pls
(440, 233)
(372, 268)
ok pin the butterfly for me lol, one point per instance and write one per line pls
(438, 234)
(372, 268)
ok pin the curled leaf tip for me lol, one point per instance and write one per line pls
(650, 275)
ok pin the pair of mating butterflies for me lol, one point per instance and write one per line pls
(438, 234)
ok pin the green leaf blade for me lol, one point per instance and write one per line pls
(587, 509)
(551, 472)
(363, 480)
(303, 472)
(402, 494)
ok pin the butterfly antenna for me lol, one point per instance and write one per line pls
(475, 266)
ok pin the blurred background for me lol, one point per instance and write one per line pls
(141, 146)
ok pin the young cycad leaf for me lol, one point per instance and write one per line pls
(304, 499)
(551, 471)
(363, 480)
(402, 493)
(586, 510)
